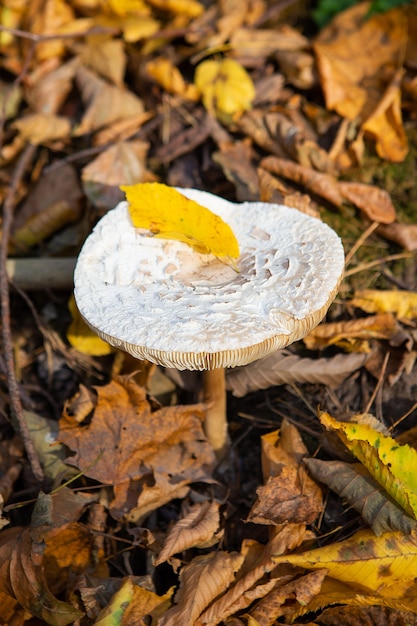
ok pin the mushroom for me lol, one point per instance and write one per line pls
(160, 300)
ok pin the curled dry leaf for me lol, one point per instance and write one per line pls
(107, 58)
(374, 202)
(197, 528)
(352, 482)
(201, 581)
(283, 368)
(170, 78)
(403, 234)
(274, 605)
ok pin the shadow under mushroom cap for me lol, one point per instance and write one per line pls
(160, 300)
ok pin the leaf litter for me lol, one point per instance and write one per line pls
(134, 523)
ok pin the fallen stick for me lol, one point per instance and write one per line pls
(41, 273)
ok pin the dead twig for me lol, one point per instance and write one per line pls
(15, 400)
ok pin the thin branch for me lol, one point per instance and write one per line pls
(16, 407)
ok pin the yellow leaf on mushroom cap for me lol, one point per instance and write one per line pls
(168, 214)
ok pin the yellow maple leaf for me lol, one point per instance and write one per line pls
(169, 214)
(226, 88)
(402, 303)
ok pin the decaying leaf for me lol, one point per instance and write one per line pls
(168, 214)
(227, 89)
(148, 456)
(383, 565)
(391, 464)
(403, 304)
(283, 368)
(197, 528)
(170, 78)
(289, 494)
(352, 482)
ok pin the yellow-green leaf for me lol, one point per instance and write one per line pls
(391, 464)
(385, 565)
(402, 303)
(168, 214)
(226, 88)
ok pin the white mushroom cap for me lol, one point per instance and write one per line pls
(160, 300)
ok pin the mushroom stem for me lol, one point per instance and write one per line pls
(215, 423)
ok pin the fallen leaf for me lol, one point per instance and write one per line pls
(403, 304)
(120, 102)
(403, 234)
(46, 94)
(123, 163)
(352, 76)
(384, 566)
(106, 57)
(353, 335)
(236, 160)
(41, 128)
(258, 563)
(81, 337)
(282, 368)
(358, 616)
(197, 528)
(353, 483)
(280, 600)
(201, 581)
(170, 78)
(48, 21)
(139, 451)
(391, 464)
(45, 223)
(226, 88)
(168, 214)
(189, 8)
(374, 202)
(289, 494)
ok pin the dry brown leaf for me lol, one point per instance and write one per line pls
(107, 58)
(123, 163)
(289, 494)
(403, 234)
(60, 184)
(120, 103)
(374, 202)
(46, 94)
(146, 455)
(280, 601)
(197, 528)
(201, 581)
(353, 335)
(168, 76)
(283, 367)
(22, 575)
(298, 66)
(258, 43)
(240, 595)
(44, 224)
(355, 79)
(272, 189)
(47, 20)
(372, 615)
(41, 128)
(236, 161)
